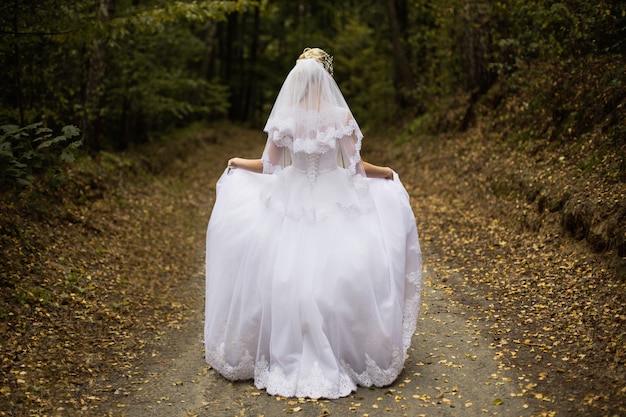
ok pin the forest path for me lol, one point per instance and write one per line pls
(101, 311)
(452, 370)
(454, 366)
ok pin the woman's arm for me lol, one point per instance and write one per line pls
(375, 171)
(254, 165)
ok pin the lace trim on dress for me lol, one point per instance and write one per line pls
(375, 375)
(411, 309)
(272, 378)
(243, 370)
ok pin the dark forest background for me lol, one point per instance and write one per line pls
(110, 74)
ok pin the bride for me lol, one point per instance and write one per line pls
(313, 265)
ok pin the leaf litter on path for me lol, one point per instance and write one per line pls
(105, 315)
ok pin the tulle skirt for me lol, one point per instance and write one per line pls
(308, 292)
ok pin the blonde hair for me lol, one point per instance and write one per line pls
(320, 56)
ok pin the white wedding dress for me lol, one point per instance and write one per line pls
(313, 271)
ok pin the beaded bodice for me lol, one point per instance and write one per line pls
(314, 164)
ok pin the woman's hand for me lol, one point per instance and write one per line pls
(231, 165)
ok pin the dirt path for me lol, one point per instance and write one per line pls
(102, 305)
(455, 365)
(451, 371)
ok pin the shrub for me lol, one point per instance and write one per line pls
(34, 150)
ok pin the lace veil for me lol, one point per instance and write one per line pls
(311, 116)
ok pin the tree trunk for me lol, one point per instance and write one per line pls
(230, 61)
(206, 67)
(251, 76)
(404, 83)
(477, 50)
(476, 55)
(18, 70)
(96, 71)
(241, 69)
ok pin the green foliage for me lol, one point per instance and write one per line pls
(155, 19)
(362, 73)
(126, 74)
(38, 55)
(34, 149)
(152, 85)
(154, 80)
(435, 42)
(524, 30)
(152, 65)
